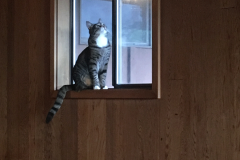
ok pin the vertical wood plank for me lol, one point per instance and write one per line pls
(21, 41)
(69, 134)
(18, 83)
(200, 76)
(38, 53)
(236, 81)
(54, 143)
(177, 122)
(175, 110)
(12, 109)
(233, 127)
(3, 78)
(92, 129)
(21, 62)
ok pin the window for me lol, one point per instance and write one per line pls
(135, 58)
(133, 53)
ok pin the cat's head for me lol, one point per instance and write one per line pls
(98, 34)
(97, 29)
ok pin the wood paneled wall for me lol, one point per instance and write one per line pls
(198, 116)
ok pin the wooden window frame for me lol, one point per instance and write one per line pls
(153, 93)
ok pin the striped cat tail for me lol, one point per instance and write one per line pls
(59, 100)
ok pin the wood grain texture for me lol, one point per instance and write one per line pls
(69, 130)
(3, 78)
(197, 117)
(92, 129)
(110, 94)
(37, 99)
(132, 129)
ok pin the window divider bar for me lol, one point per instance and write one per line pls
(114, 42)
(72, 26)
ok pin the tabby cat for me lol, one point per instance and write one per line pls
(91, 66)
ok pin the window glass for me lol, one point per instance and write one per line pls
(134, 47)
(92, 10)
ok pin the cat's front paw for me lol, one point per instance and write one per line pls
(96, 87)
(105, 87)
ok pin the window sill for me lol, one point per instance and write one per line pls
(110, 94)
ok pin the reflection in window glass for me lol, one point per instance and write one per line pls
(134, 34)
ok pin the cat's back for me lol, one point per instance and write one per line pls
(82, 60)
(84, 55)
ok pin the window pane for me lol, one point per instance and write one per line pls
(91, 10)
(134, 36)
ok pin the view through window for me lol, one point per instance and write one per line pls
(131, 36)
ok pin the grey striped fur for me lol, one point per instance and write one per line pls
(90, 69)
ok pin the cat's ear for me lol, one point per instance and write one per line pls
(89, 24)
(99, 21)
